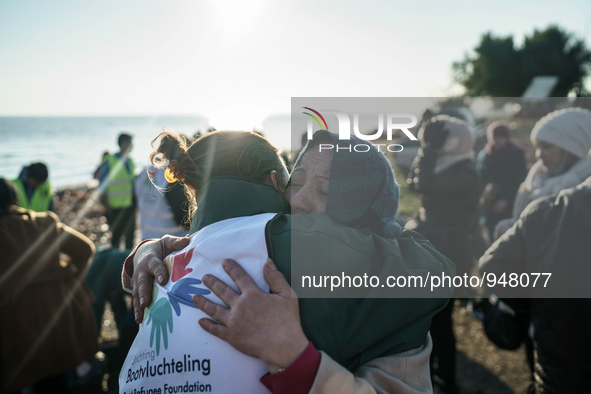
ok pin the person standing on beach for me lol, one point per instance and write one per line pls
(116, 178)
(445, 176)
(33, 189)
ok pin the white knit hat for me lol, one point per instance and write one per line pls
(569, 129)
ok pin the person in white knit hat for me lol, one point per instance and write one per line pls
(562, 140)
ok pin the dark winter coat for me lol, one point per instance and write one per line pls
(506, 170)
(449, 205)
(552, 235)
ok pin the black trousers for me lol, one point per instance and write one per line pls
(122, 223)
(444, 345)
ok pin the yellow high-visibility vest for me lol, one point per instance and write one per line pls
(40, 199)
(120, 183)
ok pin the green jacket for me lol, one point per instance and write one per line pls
(352, 331)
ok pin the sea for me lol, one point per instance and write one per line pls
(72, 147)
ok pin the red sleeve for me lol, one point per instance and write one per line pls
(299, 377)
(128, 264)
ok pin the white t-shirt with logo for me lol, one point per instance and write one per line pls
(172, 353)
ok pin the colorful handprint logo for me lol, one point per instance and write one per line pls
(179, 264)
(161, 319)
(160, 312)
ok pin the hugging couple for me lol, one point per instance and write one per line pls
(250, 222)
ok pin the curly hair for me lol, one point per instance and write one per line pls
(219, 153)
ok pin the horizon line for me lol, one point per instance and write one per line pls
(7, 115)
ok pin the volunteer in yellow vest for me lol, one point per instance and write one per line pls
(33, 188)
(116, 177)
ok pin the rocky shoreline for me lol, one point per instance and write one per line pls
(79, 207)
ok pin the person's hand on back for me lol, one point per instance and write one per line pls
(258, 324)
(261, 325)
(148, 264)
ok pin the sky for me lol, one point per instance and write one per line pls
(236, 62)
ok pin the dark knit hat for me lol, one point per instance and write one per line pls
(362, 191)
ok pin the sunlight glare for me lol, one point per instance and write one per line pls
(234, 18)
